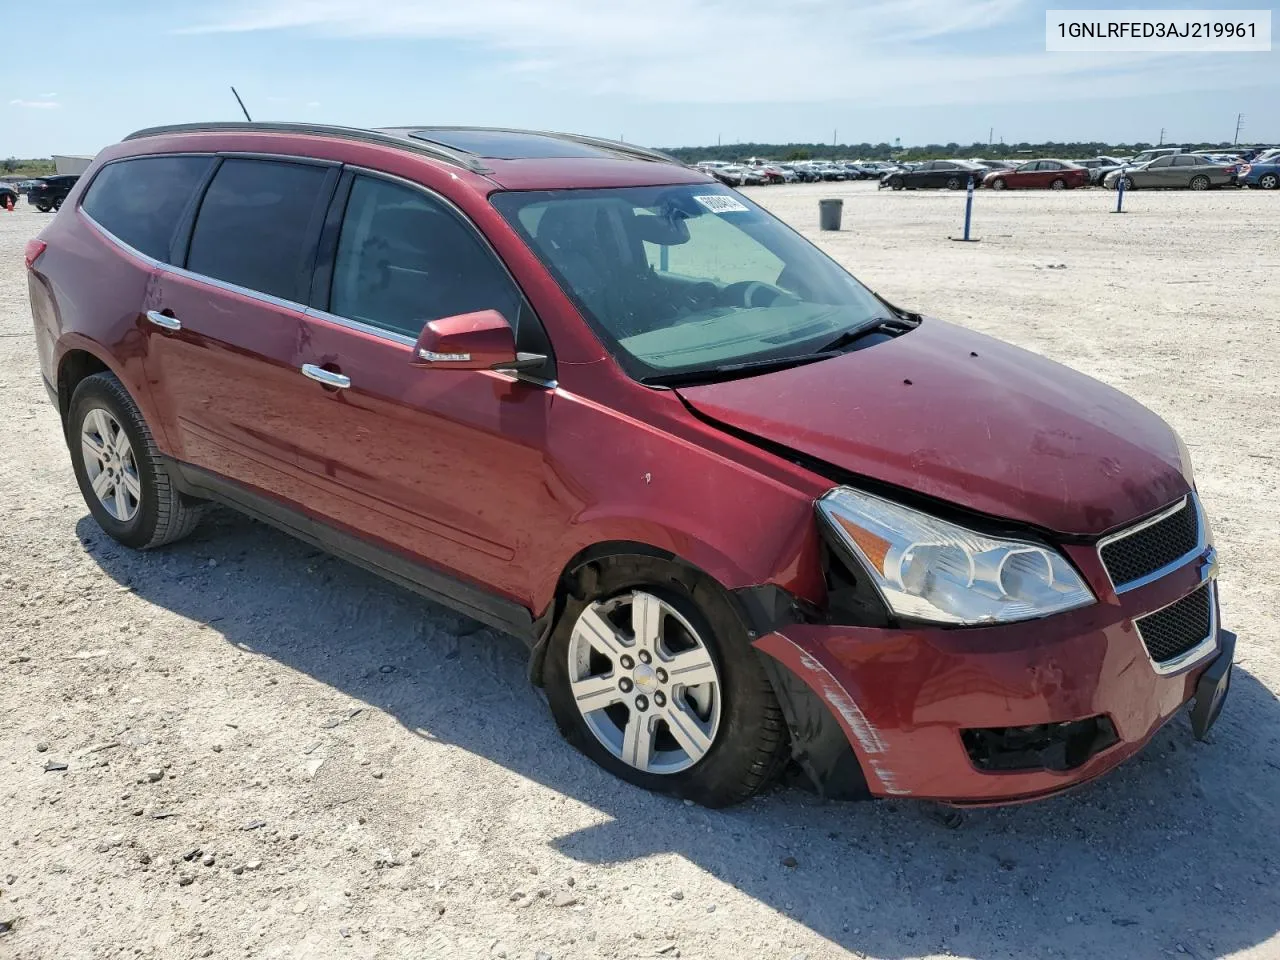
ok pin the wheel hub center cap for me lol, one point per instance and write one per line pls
(645, 678)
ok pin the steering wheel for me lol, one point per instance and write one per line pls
(751, 293)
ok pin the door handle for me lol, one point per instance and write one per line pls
(164, 320)
(330, 379)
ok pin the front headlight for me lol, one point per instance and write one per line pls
(930, 569)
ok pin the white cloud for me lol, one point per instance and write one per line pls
(312, 104)
(47, 96)
(36, 104)
(882, 52)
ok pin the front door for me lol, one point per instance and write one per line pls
(444, 466)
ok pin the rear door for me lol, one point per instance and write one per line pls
(446, 466)
(226, 325)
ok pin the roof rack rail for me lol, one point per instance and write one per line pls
(434, 150)
(421, 133)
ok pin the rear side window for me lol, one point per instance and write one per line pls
(141, 201)
(404, 260)
(257, 224)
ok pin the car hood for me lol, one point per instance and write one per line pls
(955, 415)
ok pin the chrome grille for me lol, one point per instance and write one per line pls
(1170, 633)
(1148, 549)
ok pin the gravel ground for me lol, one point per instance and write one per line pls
(270, 753)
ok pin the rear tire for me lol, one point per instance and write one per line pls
(953, 183)
(1269, 181)
(1200, 182)
(1058, 184)
(57, 204)
(748, 736)
(149, 511)
(43, 207)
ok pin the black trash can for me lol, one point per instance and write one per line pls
(829, 212)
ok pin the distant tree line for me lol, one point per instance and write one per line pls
(929, 151)
(12, 166)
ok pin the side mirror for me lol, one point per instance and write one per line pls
(471, 341)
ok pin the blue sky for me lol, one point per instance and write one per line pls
(667, 73)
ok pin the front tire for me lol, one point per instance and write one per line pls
(43, 207)
(125, 483)
(1128, 183)
(897, 183)
(998, 184)
(656, 681)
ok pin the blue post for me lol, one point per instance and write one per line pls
(1120, 192)
(968, 208)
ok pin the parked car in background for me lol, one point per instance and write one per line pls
(1146, 156)
(1039, 174)
(1099, 167)
(47, 193)
(992, 164)
(650, 431)
(1174, 171)
(951, 174)
(1263, 173)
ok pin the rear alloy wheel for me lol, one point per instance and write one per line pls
(1200, 182)
(953, 183)
(1058, 184)
(657, 682)
(122, 476)
(998, 184)
(1269, 181)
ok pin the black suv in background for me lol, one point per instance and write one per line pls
(48, 192)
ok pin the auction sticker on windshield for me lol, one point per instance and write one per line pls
(719, 203)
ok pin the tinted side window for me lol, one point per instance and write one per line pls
(256, 223)
(404, 259)
(140, 201)
(1184, 161)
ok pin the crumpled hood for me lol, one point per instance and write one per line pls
(956, 415)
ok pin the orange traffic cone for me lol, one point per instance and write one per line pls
(8, 203)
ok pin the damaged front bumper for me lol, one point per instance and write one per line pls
(988, 715)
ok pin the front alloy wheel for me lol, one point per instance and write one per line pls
(650, 672)
(644, 683)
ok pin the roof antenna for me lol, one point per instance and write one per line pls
(241, 102)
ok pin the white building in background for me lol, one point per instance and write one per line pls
(71, 164)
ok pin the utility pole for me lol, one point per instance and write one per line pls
(1239, 124)
(1161, 143)
(991, 136)
(833, 136)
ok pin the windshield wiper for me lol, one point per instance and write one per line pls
(891, 326)
(730, 371)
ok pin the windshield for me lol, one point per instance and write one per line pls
(677, 279)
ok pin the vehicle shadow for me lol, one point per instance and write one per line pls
(1176, 853)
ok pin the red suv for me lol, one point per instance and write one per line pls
(742, 510)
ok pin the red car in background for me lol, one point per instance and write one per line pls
(1039, 175)
(743, 511)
